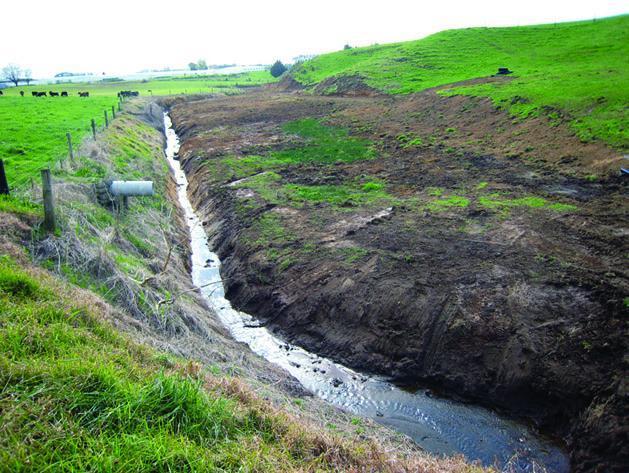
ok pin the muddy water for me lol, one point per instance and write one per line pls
(440, 426)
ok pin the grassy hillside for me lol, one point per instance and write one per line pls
(34, 129)
(76, 396)
(579, 68)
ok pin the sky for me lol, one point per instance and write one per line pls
(124, 36)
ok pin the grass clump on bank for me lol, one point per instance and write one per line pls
(324, 144)
(448, 202)
(19, 205)
(342, 195)
(269, 187)
(496, 201)
(321, 144)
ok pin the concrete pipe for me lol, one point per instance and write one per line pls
(131, 188)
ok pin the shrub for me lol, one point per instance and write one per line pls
(278, 69)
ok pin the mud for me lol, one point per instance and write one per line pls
(519, 308)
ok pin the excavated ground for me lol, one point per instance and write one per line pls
(490, 265)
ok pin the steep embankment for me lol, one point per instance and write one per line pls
(170, 393)
(569, 71)
(430, 237)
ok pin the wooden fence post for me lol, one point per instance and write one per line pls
(113, 112)
(70, 151)
(120, 105)
(4, 185)
(49, 207)
(93, 128)
(106, 120)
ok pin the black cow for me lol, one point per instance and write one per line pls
(39, 94)
(34, 93)
(84, 94)
(128, 93)
(1, 93)
(22, 93)
(64, 94)
(53, 94)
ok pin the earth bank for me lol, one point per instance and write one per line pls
(431, 239)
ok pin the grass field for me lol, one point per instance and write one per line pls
(77, 396)
(33, 130)
(159, 85)
(578, 70)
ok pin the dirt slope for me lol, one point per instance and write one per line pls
(493, 269)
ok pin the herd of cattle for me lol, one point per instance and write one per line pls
(128, 93)
(50, 93)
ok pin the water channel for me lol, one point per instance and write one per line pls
(440, 426)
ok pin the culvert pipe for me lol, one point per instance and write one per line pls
(131, 188)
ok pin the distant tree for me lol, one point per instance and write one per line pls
(11, 72)
(28, 76)
(347, 46)
(278, 69)
(193, 66)
(202, 65)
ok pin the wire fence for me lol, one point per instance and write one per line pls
(25, 186)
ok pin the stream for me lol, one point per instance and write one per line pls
(439, 426)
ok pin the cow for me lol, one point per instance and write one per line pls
(84, 94)
(64, 94)
(39, 94)
(1, 93)
(34, 93)
(22, 93)
(53, 94)
(128, 93)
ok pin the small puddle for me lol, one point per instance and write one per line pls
(440, 426)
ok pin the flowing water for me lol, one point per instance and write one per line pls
(439, 426)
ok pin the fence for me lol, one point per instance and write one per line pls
(47, 197)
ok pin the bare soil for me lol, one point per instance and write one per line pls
(519, 308)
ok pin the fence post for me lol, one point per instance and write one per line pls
(70, 151)
(49, 207)
(93, 128)
(120, 105)
(113, 112)
(4, 185)
(106, 120)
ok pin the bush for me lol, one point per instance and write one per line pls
(278, 69)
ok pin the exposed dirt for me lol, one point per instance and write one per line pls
(517, 307)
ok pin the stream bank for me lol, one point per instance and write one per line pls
(439, 426)
(422, 257)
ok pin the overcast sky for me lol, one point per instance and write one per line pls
(117, 36)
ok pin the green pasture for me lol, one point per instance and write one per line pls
(171, 85)
(33, 129)
(576, 71)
